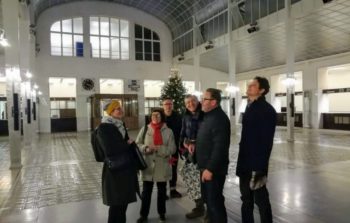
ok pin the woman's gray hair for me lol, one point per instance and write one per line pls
(187, 96)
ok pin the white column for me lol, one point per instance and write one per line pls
(233, 115)
(86, 37)
(196, 57)
(290, 69)
(10, 22)
(25, 55)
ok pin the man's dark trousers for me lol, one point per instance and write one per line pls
(259, 196)
(213, 197)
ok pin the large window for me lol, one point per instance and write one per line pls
(67, 37)
(109, 38)
(147, 44)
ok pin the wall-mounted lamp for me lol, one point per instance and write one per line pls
(253, 27)
(32, 29)
(29, 75)
(231, 89)
(181, 57)
(289, 81)
(3, 41)
(209, 45)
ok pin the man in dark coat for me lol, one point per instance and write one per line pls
(212, 154)
(258, 129)
(173, 121)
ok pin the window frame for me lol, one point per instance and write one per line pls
(110, 37)
(143, 40)
(73, 36)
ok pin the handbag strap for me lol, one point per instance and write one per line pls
(145, 129)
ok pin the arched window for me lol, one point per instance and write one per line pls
(109, 38)
(66, 37)
(147, 44)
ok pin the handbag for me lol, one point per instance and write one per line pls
(140, 161)
(120, 162)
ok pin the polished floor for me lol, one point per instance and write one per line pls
(309, 181)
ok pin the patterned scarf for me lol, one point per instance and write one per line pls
(157, 136)
(117, 122)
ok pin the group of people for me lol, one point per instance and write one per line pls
(201, 138)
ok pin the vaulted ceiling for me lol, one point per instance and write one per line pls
(323, 32)
(176, 14)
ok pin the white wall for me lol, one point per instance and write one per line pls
(313, 105)
(86, 67)
(330, 78)
(2, 89)
(208, 77)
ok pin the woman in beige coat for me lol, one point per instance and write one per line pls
(157, 147)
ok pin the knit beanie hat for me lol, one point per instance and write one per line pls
(114, 104)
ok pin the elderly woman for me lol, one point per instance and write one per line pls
(190, 172)
(157, 146)
(118, 186)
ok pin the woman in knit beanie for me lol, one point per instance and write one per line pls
(118, 186)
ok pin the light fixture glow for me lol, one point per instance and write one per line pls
(36, 86)
(231, 89)
(29, 75)
(3, 41)
(289, 81)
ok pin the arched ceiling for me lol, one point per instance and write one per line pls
(176, 14)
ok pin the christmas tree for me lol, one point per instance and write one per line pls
(175, 90)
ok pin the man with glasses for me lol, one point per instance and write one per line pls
(173, 121)
(212, 152)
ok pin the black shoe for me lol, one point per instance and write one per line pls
(195, 213)
(166, 197)
(142, 220)
(175, 194)
(162, 218)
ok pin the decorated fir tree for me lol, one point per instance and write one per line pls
(175, 89)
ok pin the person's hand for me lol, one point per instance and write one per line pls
(130, 141)
(191, 148)
(153, 148)
(207, 175)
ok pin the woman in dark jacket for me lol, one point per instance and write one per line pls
(190, 172)
(118, 186)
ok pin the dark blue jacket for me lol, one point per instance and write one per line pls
(213, 142)
(190, 125)
(258, 129)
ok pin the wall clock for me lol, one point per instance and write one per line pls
(88, 84)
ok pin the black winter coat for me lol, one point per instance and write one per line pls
(213, 142)
(118, 187)
(258, 129)
(174, 123)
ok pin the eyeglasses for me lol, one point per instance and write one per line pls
(156, 115)
(207, 99)
(168, 104)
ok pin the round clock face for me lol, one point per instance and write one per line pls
(88, 84)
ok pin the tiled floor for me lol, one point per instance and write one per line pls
(309, 181)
